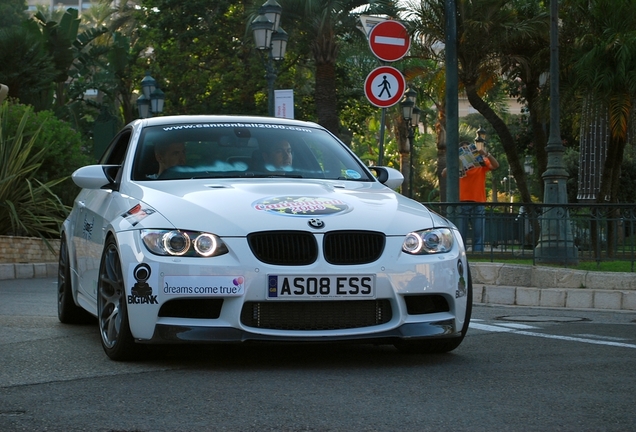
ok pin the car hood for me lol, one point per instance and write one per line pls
(240, 206)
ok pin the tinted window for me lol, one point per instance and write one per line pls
(214, 150)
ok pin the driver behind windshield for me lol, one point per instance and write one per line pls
(277, 154)
(169, 155)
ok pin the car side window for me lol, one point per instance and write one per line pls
(116, 151)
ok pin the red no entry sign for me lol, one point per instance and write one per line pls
(384, 86)
(389, 40)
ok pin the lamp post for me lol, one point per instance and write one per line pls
(556, 243)
(411, 115)
(269, 37)
(151, 101)
(480, 139)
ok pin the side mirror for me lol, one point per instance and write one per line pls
(389, 177)
(95, 176)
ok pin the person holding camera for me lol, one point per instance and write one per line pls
(472, 195)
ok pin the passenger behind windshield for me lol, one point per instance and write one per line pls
(277, 154)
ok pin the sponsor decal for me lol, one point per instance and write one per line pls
(87, 228)
(461, 283)
(141, 292)
(235, 125)
(352, 174)
(204, 286)
(137, 214)
(302, 205)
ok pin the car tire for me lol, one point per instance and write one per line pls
(442, 345)
(112, 313)
(67, 311)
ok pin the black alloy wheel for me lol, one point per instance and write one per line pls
(112, 313)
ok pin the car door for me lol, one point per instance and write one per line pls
(89, 227)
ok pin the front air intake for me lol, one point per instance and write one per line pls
(316, 315)
(291, 248)
(353, 247)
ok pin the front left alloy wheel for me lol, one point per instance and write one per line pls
(112, 313)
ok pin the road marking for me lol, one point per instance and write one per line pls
(500, 329)
(517, 326)
(612, 338)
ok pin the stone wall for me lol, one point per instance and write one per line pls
(15, 250)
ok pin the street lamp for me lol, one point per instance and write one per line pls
(152, 99)
(270, 37)
(411, 116)
(556, 242)
(480, 139)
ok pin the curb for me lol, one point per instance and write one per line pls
(28, 271)
(517, 275)
(568, 298)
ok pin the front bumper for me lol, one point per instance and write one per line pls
(397, 277)
(198, 334)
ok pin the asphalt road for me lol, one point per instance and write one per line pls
(517, 370)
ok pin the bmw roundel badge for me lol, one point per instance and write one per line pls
(316, 223)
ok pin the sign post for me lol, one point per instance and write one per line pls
(384, 87)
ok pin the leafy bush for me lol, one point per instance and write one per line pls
(62, 146)
(28, 206)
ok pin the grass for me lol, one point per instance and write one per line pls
(603, 266)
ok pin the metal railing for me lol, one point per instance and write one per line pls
(599, 232)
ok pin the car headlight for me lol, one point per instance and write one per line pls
(183, 243)
(430, 241)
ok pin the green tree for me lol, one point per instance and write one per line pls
(113, 61)
(604, 68)
(487, 30)
(604, 72)
(61, 147)
(27, 205)
(66, 45)
(525, 62)
(26, 67)
(201, 56)
(325, 25)
(12, 13)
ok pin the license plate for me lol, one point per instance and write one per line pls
(287, 287)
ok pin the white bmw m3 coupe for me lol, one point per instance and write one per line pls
(218, 229)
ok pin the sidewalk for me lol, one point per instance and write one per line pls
(523, 285)
(493, 283)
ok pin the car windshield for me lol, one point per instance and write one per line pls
(235, 150)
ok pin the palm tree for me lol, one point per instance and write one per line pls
(525, 61)
(25, 65)
(605, 70)
(324, 22)
(605, 73)
(486, 30)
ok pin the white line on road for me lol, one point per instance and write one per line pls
(492, 328)
(517, 326)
